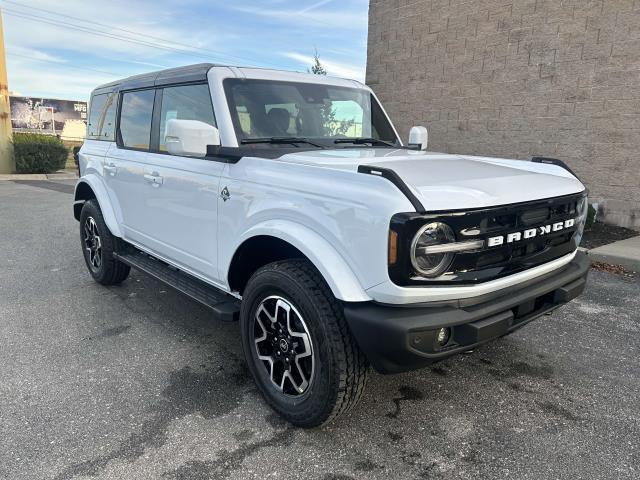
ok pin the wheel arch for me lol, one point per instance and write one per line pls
(268, 243)
(89, 188)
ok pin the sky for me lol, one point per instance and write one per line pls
(65, 49)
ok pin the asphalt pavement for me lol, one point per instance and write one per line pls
(139, 382)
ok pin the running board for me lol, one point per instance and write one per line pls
(225, 306)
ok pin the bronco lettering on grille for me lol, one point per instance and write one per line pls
(530, 233)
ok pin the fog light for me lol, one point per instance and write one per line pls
(443, 336)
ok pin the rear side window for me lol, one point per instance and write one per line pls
(135, 119)
(102, 117)
(186, 102)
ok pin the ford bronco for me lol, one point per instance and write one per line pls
(287, 201)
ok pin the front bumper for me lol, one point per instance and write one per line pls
(401, 338)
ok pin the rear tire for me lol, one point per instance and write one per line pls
(98, 246)
(289, 315)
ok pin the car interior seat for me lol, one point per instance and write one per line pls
(279, 119)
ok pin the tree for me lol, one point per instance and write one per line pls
(331, 126)
(317, 68)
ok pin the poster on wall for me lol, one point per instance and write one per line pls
(65, 118)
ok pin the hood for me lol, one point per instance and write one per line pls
(450, 182)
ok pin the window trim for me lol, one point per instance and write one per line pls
(119, 141)
(154, 142)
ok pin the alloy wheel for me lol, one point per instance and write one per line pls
(92, 243)
(283, 345)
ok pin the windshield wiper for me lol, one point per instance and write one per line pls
(363, 140)
(277, 140)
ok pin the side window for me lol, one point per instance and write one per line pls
(102, 116)
(135, 118)
(108, 118)
(96, 107)
(187, 102)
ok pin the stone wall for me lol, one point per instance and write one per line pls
(517, 79)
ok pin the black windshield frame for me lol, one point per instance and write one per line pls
(379, 120)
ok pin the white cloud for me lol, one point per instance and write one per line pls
(334, 68)
(53, 81)
(32, 34)
(353, 19)
(314, 6)
(63, 61)
(19, 50)
(32, 65)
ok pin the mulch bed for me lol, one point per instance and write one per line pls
(617, 269)
(600, 234)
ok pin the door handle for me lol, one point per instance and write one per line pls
(154, 178)
(110, 168)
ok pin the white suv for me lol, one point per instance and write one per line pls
(287, 201)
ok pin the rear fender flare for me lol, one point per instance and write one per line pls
(100, 192)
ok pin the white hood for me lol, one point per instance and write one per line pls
(446, 182)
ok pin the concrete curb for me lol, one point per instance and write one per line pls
(625, 253)
(62, 176)
(38, 176)
(20, 176)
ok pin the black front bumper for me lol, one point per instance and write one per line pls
(401, 338)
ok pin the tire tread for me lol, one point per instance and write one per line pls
(351, 365)
(114, 272)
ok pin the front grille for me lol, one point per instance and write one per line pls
(490, 263)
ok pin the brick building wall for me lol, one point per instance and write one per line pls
(516, 79)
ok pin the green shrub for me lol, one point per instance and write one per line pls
(36, 153)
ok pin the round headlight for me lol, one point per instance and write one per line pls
(431, 264)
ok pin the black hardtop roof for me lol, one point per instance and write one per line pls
(190, 73)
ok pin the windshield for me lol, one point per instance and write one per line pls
(264, 109)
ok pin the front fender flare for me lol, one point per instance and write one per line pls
(331, 265)
(99, 190)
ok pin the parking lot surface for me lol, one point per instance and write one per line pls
(139, 382)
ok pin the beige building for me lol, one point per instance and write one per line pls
(517, 79)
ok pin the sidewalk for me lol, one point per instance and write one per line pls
(59, 175)
(625, 253)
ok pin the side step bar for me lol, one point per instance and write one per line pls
(226, 307)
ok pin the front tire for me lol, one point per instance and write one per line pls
(297, 344)
(98, 246)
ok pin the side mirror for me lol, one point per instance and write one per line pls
(418, 138)
(189, 138)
